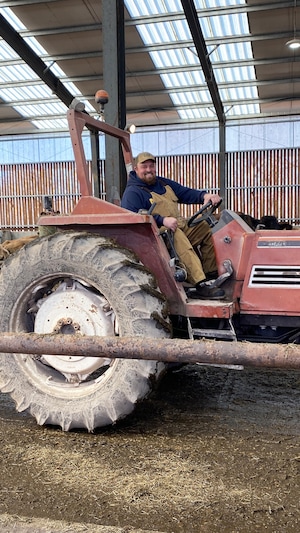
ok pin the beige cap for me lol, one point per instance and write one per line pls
(144, 156)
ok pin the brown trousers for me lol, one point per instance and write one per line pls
(185, 238)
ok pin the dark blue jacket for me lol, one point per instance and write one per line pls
(137, 194)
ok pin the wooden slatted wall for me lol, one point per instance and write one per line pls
(259, 183)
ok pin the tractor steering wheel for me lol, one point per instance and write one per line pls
(206, 211)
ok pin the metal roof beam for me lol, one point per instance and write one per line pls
(20, 46)
(38, 32)
(200, 45)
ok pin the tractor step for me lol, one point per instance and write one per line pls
(225, 334)
(210, 308)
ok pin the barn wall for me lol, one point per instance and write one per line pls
(263, 182)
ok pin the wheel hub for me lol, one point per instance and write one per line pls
(66, 326)
(74, 309)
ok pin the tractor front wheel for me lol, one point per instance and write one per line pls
(85, 284)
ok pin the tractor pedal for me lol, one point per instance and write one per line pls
(223, 277)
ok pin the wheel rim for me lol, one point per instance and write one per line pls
(63, 304)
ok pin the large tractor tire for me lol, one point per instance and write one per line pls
(83, 283)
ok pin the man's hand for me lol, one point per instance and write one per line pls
(170, 223)
(214, 198)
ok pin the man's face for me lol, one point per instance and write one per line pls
(146, 171)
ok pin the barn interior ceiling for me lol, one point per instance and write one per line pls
(256, 72)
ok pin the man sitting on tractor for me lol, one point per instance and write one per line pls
(144, 188)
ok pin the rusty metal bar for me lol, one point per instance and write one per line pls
(285, 356)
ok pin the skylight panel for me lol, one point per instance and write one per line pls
(12, 19)
(156, 7)
(33, 110)
(191, 97)
(238, 93)
(215, 28)
(243, 109)
(152, 7)
(50, 125)
(30, 92)
(203, 4)
(37, 91)
(231, 52)
(181, 79)
(164, 32)
(16, 73)
(197, 114)
(35, 45)
(234, 74)
(220, 26)
(6, 52)
(173, 58)
(23, 74)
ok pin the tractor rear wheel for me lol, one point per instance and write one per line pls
(83, 283)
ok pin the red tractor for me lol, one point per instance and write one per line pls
(106, 273)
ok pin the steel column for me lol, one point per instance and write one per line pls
(114, 84)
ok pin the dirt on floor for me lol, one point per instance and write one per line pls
(213, 450)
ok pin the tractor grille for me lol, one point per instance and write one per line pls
(278, 276)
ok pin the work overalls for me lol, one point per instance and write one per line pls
(185, 238)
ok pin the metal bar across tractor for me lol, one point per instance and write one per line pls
(284, 356)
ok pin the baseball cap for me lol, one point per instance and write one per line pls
(144, 156)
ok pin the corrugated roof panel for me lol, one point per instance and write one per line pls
(174, 58)
(50, 125)
(12, 19)
(164, 32)
(6, 52)
(33, 110)
(203, 4)
(156, 7)
(35, 45)
(234, 74)
(237, 93)
(191, 97)
(23, 73)
(231, 52)
(25, 93)
(242, 109)
(74, 44)
(182, 79)
(218, 26)
(197, 114)
(153, 7)
(213, 27)
(17, 73)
